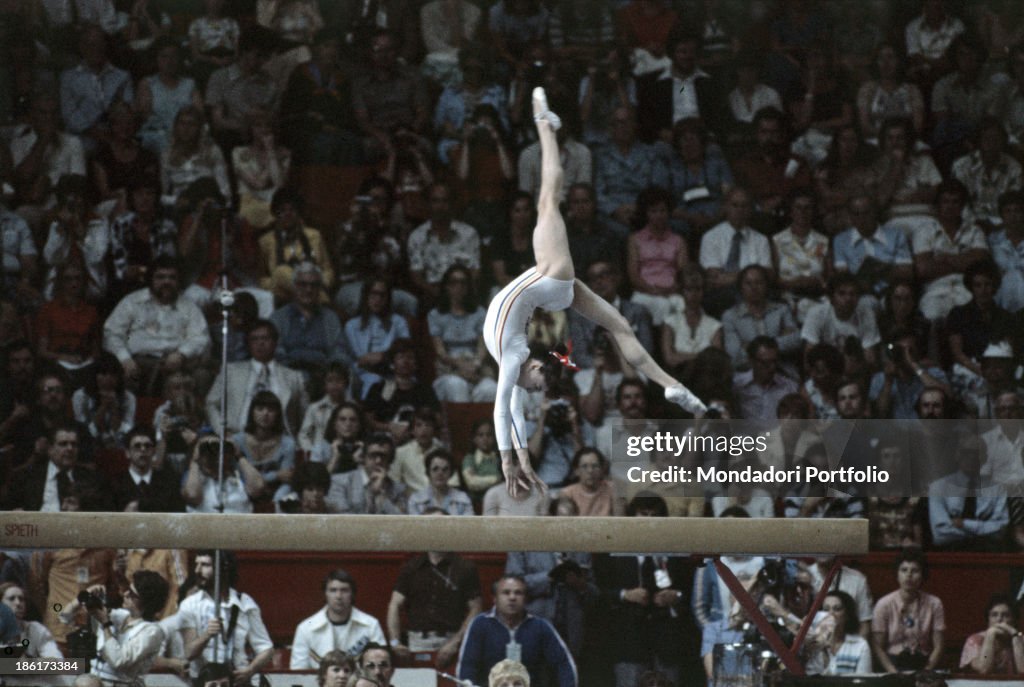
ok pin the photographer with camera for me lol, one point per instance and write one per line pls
(242, 482)
(128, 639)
(557, 436)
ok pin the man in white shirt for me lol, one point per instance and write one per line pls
(1004, 443)
(156, 330)
(246, 378)
(339, 625)
(729, 247)
(846, 315)
(224, 629)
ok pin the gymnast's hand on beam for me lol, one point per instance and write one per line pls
(519, 475)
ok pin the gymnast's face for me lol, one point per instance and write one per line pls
(531, 375)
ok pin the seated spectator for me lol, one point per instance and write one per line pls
(339, 625)
(580, 31)
(463, 373)
(388, 96)
(40, 155)
(120, 161)
(481, 467)
(141, 488)
(728, 248)
(1004, 443)
(1006, 246)
(512, 250)
(512, 26)
(391, 404)
(622, 170)
(342, 443)
(998, 649)
(368, 488)
(204, 257)
(242, 482)
(76, 233)
(699, 178)
(927, 39)
(755, 316)
(459, 101)
(874, 253)
(369, 334)
(758, 390)
(265, 443)
(47, 483)
(440, 468)
(896, 389)
(961, 99)
(903, 178)
(68, 328)
(139, 235)
(261, 170)
(818, 103)
(19, 255)
(888, 94)
(156, 330)
(40, 642)
(896, 520)
(968, 512)
(973, 326)
(607, 85)
(311, 335)
(654, 254)
(236, 90)
(440, 243)
(943, 248)
(190, 156)
(88, 89)
(908, 628)
(296, 23)
(824, 364)
(997, 375)
(845, 172)
(213, 40)
(498, 502)
(839, 650)
(445, 27)
(577, 162)
(795, 30)
(900, 311)
(769, 171)
(1011, 105)
(688, 330)
(556, 437)
(592, 491)
(317, 118)
(161, 95)
(290, 243)
(749, 97)
(846, 316)
(800, 256)
(310, 484)
(484, 166)
(407, 467)
(646, 28)
(104, 405)
(316, 421)
(177, 421)
(988, 172)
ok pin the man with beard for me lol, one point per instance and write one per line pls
(338, 625)
(203, 623)
(156, 330)
(508, 631)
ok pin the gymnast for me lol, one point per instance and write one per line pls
(550, 285)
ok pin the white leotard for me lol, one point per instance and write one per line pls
(505, 338)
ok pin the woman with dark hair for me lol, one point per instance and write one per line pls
(591, 491)
(458, 101)
(37, 640)
(460, 355)
(908, 627)
(310, 483)
(998, 649)
(103, 404)
(699, 177)
(371, 332)
(835, 647)
(242, 482)
(161, 95)
(843, 173)
(513, 252)
(289, 243)
(266, 445)
(121, 159)
(261, 169)
(439, 492)
(343, 439)
(481, 467)
(819, 104)
(655, 254)
(889, 94)
(971, 327)
(335, 669)
(900, 311)
(68, 329)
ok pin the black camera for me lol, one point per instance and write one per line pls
(91, 601)
(557, 418)
(82, 645)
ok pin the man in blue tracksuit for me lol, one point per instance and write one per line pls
(508, 631)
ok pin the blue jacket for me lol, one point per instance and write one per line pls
(540, 646)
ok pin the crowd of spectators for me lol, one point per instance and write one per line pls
(806, 210)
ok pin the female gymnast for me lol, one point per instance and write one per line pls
(550, 285)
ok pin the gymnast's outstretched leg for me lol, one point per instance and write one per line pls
(550, 240)
(603, 313)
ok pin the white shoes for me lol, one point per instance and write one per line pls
(541, 111)
(682, 396)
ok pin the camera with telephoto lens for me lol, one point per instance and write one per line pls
(91, 601)
(557, 418)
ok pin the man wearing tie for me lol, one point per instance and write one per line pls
(968, 512)
(140, 488)
(729, 247)
(260, 373)
(44, 486)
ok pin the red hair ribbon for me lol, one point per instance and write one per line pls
(564, 358)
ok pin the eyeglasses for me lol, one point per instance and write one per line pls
(371, 666)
